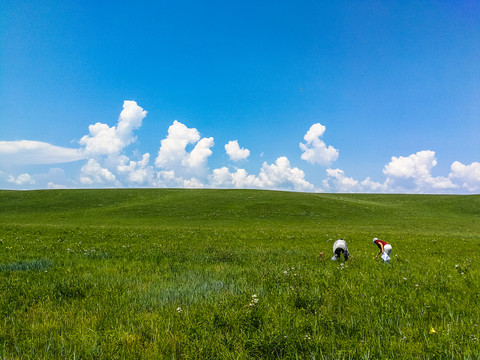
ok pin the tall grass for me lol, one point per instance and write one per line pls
(80, 280)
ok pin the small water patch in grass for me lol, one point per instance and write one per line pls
(32, 265)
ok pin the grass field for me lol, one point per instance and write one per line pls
(236, 274)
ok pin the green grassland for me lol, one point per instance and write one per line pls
(237, 274)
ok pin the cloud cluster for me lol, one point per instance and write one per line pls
(235, 152)
(410, 174)
(417, 168)
(315, 151)
(173, 154)
(105, 140)
(280, 175)
(182, 162)
(467, 175)
(136, 172)
(22, 179)
(92, 173)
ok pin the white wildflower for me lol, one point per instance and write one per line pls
(254, 301)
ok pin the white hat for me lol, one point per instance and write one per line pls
(374, 239)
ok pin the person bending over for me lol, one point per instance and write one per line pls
(339, 248)
(385, 249)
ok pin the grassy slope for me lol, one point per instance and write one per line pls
(242, 208)
(101, 273)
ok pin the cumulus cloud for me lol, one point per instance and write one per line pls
(107, 165)
(167, 178)
(415, 165)
(92, 173)
(281, 174)
(404, 174)
(239, 179)
(136, 172)
(172, 149)
(417, 168)
(52, 185)
(27, 152)
(197, 158)
(467, 175)
(105, 140)
(193, 183)
(104, 146)
(337, 181)
(182, 162)
(315, 151)
(278, 176)
(52, 178)
(22, 179)
(235, 152)
(173, 154)
(368, 185)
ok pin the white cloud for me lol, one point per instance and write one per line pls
(336, 181)
(180, 167)
(92, 173)
(193, 183)
(167, 179)
(281, 175)
(136, 172)
(368, 185)
(104, 146)
(415, 165)
(197, 158)
(314, 150)
(411, 174)
(53, 178)
(235, 152)
(172, 149)
(22, 179)
(130, 119)
(102, 140)
(221, 177)
(468, 175)
(415, 171)
(173, 155)
(105, 140)
(278, 176)
(52, 185)
(239, 179)
(27, 152)
(108, 166)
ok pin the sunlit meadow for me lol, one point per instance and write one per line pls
(233, 274)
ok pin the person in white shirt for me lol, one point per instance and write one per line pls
(339, 248)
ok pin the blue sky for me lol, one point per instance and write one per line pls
(325, 96)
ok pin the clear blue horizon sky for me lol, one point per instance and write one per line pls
(357, 96)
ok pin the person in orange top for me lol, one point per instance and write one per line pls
(385, 249)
